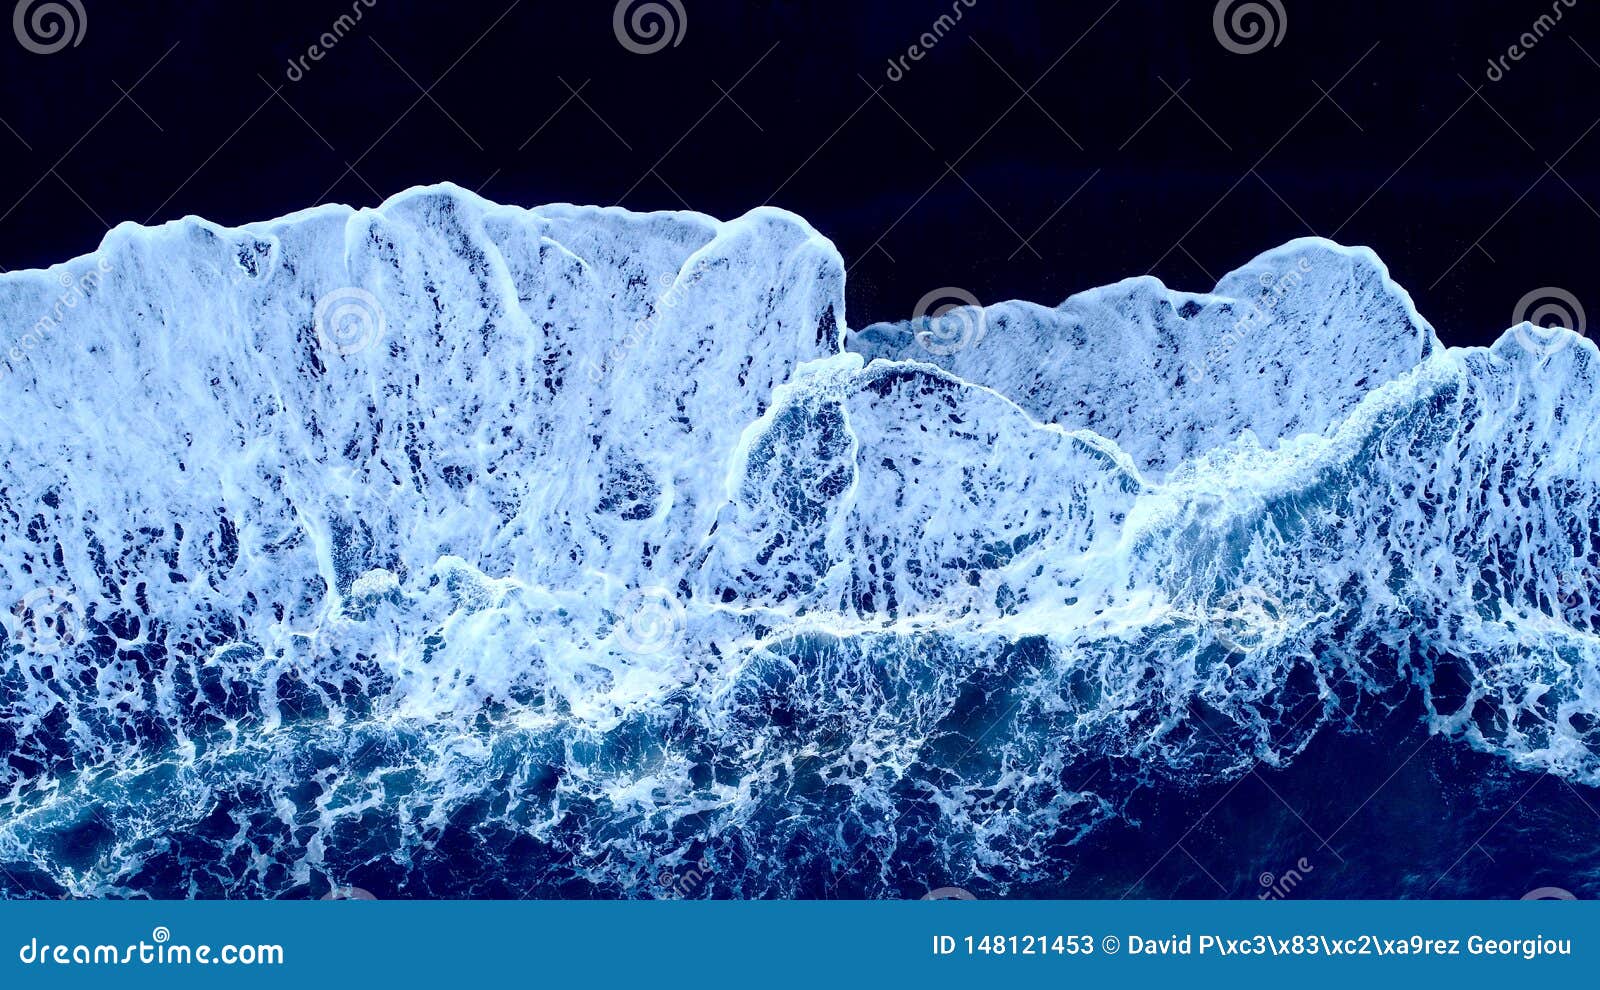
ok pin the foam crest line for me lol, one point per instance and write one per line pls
(597, 544)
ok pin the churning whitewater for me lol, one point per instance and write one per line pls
(575, 552)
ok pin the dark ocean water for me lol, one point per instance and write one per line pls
(1375, 810)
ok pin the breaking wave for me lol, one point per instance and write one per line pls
(458, 549)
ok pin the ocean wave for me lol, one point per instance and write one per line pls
(576, 552)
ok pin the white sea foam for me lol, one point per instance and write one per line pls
(590, 521)
(1283, 346)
